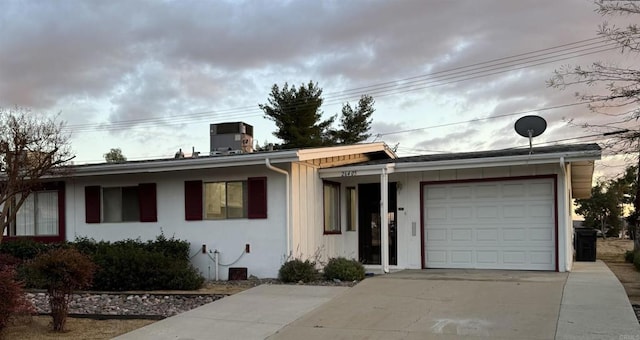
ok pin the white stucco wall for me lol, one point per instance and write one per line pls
(266, 237)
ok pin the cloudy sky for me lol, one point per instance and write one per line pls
(150, 76)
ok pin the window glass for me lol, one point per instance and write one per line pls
(331, 203)
(111, 204)
(236, 200)
(38, 215)
(120, 204)
(25, 218)
(130, 204)
(351, 208)
(47, 213)
(215, 202)
(225, 200)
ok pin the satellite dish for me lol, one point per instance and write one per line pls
(530, 126)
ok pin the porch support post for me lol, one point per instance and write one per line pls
(384, 220)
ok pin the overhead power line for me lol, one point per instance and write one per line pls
(440, 78)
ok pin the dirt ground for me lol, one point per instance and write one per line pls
(611, 251)
(39, 327)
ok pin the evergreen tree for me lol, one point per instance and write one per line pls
(297, 114)
(355, 122)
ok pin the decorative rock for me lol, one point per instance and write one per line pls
(126, 304)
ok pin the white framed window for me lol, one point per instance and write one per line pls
(225, 200)
(331, 207)
(38, 215)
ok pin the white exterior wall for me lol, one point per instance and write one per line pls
(408, 213)
(568, 206)
(266, 237)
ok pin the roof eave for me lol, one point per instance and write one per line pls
(183, 164)
(333, 151)
(466, 163)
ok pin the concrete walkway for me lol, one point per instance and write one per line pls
(595, 306)
(253, 314)
(588, 303)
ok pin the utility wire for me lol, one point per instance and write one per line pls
(436, 79)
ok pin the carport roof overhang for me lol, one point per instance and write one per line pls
(581, 159)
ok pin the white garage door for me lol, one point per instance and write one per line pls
(490, 225)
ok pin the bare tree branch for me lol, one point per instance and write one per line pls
(32, 147)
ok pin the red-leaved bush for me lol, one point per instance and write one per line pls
(60, 272)
(12, 299)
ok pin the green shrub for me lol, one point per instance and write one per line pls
(636, 260)
(169, 247)
(23, 248)
(297, 270)
(60, 272)
(344, 270)
(628, 256)
(136, 265)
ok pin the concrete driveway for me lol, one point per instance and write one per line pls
(438, 304)
(420, 304)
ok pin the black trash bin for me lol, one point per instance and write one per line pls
(585, 244)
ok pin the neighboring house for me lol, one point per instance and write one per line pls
(506, 209)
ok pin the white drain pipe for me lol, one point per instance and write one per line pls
(288, 203)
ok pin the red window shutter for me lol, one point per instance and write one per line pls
(148, 202)
(193, 200)
(257, 191)
(92, 204)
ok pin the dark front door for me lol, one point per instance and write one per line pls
(369, 239)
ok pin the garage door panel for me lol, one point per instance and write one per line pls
(542, 257)
(540, 189)
(438, 258)
(497, 225)
(462, 235)
(514, 234)
(540, 210)
(436, 213)
(541, 234)
(461, 256)
(437, 194)
(483, 234)
(518, 211)
(487, 211)
(461, 192)
(487, 257)
(512, 189)
(487, 191)
(462, 212)
(514, 257)
(437, 234)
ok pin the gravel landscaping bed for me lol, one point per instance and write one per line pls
(152, 305)
(114, 304)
